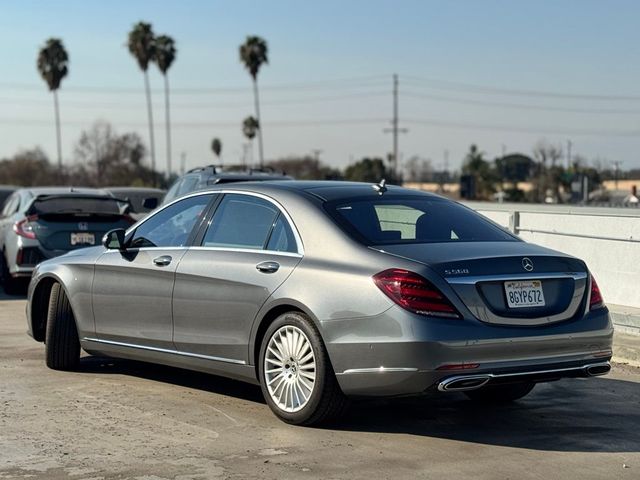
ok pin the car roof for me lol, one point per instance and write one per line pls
(326, 190)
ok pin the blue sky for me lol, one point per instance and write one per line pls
(337, 57)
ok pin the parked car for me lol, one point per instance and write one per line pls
(204, 177)
(142, 200)
(5, 191)
(41, 223)
(321, 291)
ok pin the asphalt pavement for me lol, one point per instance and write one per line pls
(116, 419)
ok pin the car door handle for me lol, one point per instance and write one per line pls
(268, 267)
(162, 261)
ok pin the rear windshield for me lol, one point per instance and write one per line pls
(73, 205)
(397, 220)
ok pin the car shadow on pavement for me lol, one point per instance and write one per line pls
(175, 376)
(577, 415)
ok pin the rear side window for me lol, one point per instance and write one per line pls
(242, 221)
(282, 238)
(399, 220)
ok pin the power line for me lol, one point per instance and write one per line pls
(518, 106)
(537, 130)
(354, 82)
(547, 130)
(461, 86)
(199, 105)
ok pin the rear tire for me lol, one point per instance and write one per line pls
(501, 393)
(62, 343)
(300, 387)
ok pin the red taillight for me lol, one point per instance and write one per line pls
(414, 293)
(24, 227)
(595, 299)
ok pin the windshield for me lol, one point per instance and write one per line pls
(397, 220)
(78, 204)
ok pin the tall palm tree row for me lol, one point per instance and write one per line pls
(164, 55)
(253, 53)
(141, 43)
(53, 66)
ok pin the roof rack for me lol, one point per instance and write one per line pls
(247, 170)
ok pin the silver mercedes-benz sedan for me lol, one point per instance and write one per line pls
(322, 291)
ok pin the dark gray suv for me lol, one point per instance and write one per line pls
(202, 177)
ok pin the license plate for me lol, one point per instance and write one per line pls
(524, 293)
(83, 238)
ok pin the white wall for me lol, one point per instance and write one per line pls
(613, 254)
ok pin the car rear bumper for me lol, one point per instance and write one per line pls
(398, 353)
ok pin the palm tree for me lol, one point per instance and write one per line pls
(253, 53)
(165, 54)
(216, 146)
(53, 67)
(250, 126)
(142, 46)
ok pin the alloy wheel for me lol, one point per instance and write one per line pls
(290, 368)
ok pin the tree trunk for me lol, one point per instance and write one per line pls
(152, 148)
(257, 100)
(168, 123)
(58, 135)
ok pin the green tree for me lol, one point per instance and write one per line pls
(28, 168)
(253, 54)
(250, 126)
(164, 56)
(370, 170)
(141, 43)
(53, 65)
(216, 146)
(110, 158)
(474, 164)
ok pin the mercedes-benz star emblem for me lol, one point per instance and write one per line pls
(527, 264)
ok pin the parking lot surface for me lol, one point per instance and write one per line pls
(118, 419)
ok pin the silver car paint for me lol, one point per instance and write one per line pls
(376, 348)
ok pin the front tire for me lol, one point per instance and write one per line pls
(501, 393)
(62, 343)
(296, 376)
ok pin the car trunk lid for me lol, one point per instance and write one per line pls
(67, 222)
(513, 283)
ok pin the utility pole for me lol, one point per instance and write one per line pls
(395, 130)
(569, 154)
(316, 154)
(616, 172)
(183, 162)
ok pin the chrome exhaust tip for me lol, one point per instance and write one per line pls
(463, 383)
(597, 369)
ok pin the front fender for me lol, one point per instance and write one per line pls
(76, 280)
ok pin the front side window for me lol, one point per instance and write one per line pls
(243, 221)
(413, 219)
(172, 226)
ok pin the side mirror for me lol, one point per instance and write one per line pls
(114, 239)
(150, 203)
